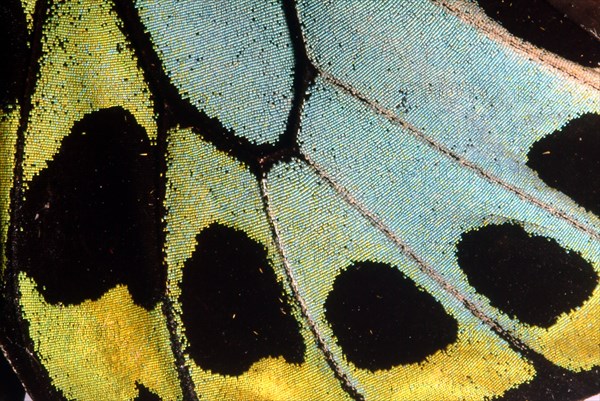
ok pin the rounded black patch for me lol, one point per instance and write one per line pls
(144, 394)
(234, 310)
(538, 22)
(382, 319)
(569, 160)
(10, 386)
(13, 51)
(90, 219)
(529, 277)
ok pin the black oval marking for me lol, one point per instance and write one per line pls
(234, 310)
(10, 386)
(538, 22)
(569, 160)
(144, 394)
(91, 219)
(529, 277)
(382, 319)
(13, 51)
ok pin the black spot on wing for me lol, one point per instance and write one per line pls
(569, 160)
(529, 277)
(13, 51)
(90, 218)
(10, 386)
(144, 394)
(381, 319)
(538, 22)
(234, 310)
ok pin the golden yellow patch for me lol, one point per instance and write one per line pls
(9, 123)
(98, 350)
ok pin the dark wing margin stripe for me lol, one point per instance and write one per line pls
(36, 379)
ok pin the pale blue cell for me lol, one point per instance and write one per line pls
(475, 96)
(232, 60)
(422, 196)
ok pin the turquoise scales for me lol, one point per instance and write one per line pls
(340, 143)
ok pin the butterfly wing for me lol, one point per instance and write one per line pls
(297, 201)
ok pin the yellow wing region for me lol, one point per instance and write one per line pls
(266, 251)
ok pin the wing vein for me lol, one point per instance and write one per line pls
(425, 267)
(339, 372)
(393, 118)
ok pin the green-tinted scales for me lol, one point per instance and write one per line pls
(292, 200)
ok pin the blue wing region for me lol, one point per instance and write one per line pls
(422, 196)
(232, 60)
(471, 95)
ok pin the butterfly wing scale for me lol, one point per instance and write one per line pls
(292, 192)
